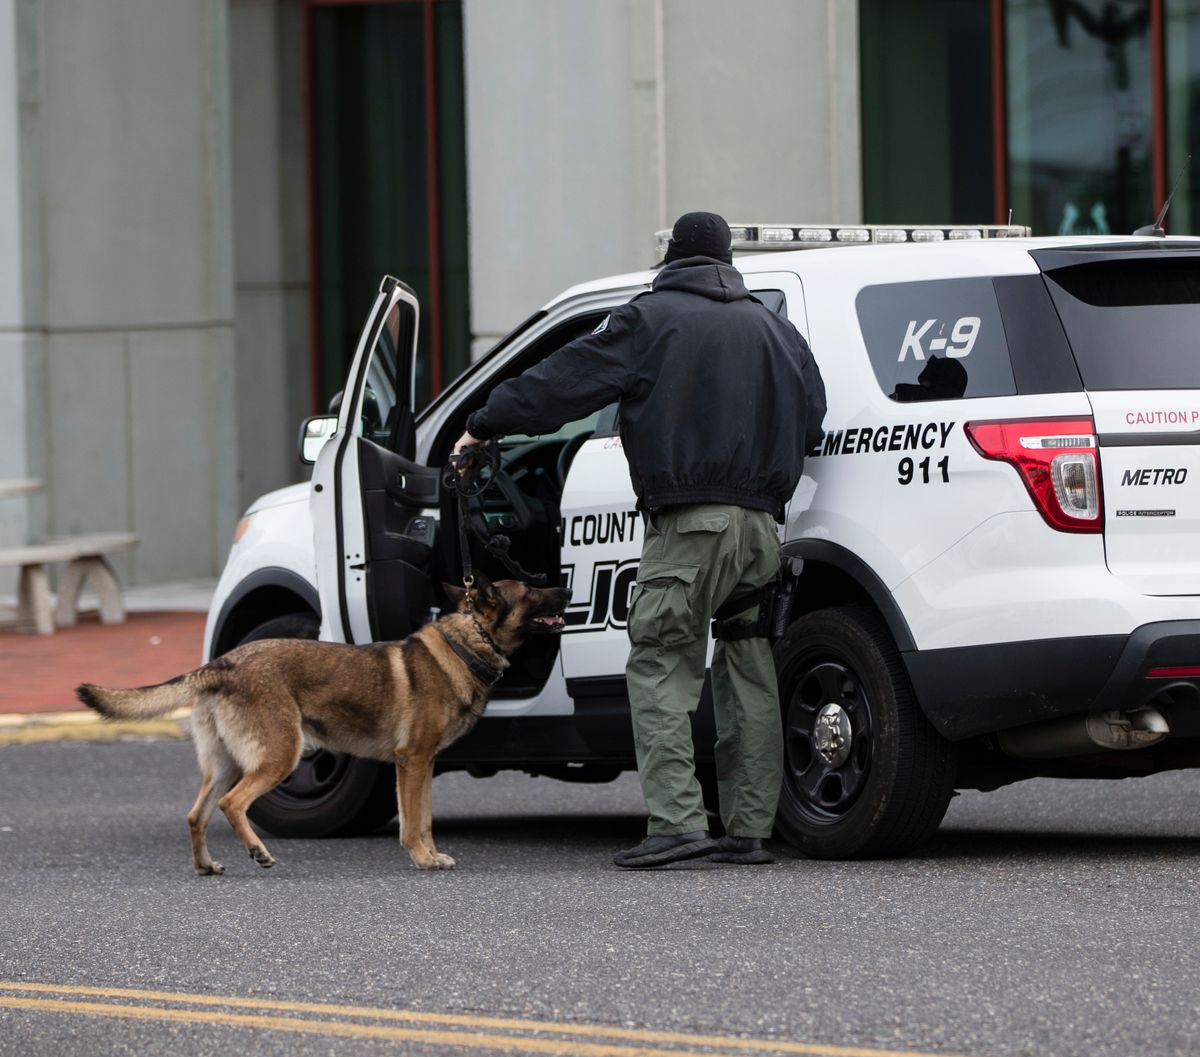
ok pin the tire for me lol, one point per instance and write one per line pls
(329, 794)
(885, 789)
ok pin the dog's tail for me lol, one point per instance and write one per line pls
(146, 702)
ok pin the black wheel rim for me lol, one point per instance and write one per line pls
(822, 789)
(317, 775)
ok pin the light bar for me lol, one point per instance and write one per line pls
(756, 237)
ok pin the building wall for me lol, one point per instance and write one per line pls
(270, 240)
(21, 342)
(154, 335)
(619, 116)
(124, 315)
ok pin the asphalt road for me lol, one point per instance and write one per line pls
(1049, 918)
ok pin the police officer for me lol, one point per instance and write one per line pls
(719, 401)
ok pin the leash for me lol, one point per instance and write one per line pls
(464, 474)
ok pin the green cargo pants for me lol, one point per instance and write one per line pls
(694, 559)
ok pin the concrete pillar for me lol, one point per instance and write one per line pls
(553, 175)
(22, 345)
(592, 123)
(126, 252)
(270, 210)
(761, 109)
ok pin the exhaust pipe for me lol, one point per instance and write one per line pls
(1083, 735)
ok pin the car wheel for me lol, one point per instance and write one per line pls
(329, 794)
(865, 775)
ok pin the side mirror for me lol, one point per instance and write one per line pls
(313, 434)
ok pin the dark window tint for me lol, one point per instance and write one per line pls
(1132, 324)
(607, 424)
(1041, 358)
(937, 340)
(772, 299)
(926, 82)
(374, 84)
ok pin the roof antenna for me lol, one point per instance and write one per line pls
(1010, 217)
(1156, 229)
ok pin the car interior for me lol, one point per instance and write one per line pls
(411, 556)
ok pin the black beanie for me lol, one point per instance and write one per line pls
(700, 235)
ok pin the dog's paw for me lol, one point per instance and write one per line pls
(213, 868)
(263, 858)
(445, 862)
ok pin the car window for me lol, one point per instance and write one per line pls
(772, 299)
(607, 422)
(571, 429)
(1132, 324)
(936, 340)
(382, 396)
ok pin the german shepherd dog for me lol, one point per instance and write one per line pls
(258, 706)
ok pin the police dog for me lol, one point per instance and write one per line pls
(258, 706)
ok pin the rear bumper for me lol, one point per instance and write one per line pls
(972, 690)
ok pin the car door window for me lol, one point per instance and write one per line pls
(382, 401)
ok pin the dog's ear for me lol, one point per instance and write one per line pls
(455, 594)
(484, 588)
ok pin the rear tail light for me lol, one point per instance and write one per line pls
(1058, 461)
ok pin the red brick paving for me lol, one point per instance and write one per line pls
(39, 673)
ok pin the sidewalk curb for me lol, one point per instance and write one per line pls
(27, 728)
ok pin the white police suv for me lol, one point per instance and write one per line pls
(997, 537)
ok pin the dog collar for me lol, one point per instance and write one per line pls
(485, 673)
(483, 632)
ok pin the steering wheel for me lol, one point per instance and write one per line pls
(567, 456)
(515, 498)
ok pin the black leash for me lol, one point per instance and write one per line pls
(465, 475)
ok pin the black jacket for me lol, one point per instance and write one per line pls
(720, 397)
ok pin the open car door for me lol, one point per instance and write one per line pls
(372, 528)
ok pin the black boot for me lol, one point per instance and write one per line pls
(663, 849)
(745, 851)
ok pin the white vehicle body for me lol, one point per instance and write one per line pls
(1004, 621)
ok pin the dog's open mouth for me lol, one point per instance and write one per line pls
(549, 622)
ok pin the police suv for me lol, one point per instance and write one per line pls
(996, 539)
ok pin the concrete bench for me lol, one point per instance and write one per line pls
(85, 558)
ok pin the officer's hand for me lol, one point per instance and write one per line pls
(464, 451)
(465, 441)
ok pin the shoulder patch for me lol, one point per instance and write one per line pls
(603, 325)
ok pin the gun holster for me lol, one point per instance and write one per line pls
(775, 601)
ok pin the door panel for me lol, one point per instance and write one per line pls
(374, 428)
(400, 539)
(1150, 469)
(602, 537)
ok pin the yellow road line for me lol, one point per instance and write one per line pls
(639, 1035)
(335, 1028)
(31, 727)
(108, 732)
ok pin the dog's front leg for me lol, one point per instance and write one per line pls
(412, 793)
(446, 862)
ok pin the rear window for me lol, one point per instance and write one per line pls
(1133, 323)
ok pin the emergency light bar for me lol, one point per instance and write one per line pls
(806, 236)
